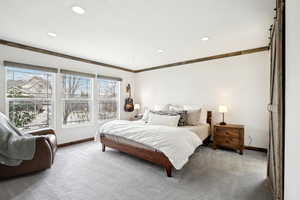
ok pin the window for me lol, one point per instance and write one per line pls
(77, 98)
(108, 98)
(29, 96)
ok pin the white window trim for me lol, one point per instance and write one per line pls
(57, 102)
(90, 101)
(51, 100)
(97, 99)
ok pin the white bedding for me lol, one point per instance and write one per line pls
(201, 130)
(178, 144)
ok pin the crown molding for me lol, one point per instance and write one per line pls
(57, 54)
(226, 55)
(53, 53)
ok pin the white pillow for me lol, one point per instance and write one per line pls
(146, 115)
(161, 107)
(193, 117)
(165, 120)
(189, 107)
(176, 108)
(203, 116)
(197, 116)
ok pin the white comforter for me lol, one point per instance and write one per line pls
(177, 144)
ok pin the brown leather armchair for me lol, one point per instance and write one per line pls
(46, 146)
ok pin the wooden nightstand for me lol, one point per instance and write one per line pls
(229, 136)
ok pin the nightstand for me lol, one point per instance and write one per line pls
(229, 136)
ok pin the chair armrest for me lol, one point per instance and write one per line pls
(42, 159)
(45, 131)
(43, 153)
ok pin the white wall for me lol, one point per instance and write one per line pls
(241, 83)
(292, 135)
(28, 57)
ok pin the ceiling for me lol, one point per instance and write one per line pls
(129, 33)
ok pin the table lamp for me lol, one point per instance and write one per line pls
(223, 109)
(137, 107)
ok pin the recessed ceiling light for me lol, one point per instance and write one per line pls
(78, 10)
(52, 34)
(160, 51)
(204, 38)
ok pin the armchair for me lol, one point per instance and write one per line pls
(46, 146)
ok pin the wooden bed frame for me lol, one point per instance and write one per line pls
(155, 157)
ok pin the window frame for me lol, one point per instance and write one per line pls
(98, 99)
(56, 103)
(90, 100)
(52, 102)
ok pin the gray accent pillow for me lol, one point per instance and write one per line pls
(183, 115)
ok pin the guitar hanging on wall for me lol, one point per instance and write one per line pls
(129, 106)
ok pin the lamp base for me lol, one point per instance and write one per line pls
(222, 123)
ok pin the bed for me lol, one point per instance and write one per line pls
(148, 152)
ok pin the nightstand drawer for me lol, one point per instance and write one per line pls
(229, 132)
(228, 141)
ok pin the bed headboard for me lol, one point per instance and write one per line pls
(209, 118)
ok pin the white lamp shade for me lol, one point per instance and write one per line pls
(137, 106)
(223, 109)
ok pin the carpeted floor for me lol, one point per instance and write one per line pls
(84, 172)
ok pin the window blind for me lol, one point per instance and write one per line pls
(64, 71)
(109, 78)
(29, 66)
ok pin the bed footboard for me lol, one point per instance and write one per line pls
(152, 156)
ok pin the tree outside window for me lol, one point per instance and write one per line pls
(108, 94)
(76, 99)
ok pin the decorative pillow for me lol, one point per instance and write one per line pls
(203, 116)
(193, 117)
(146, 115)
(190, 107)
(175, 108)
(183, 115)
(165, 120)
(161, 107)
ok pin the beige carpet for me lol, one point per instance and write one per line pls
(84, 172)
